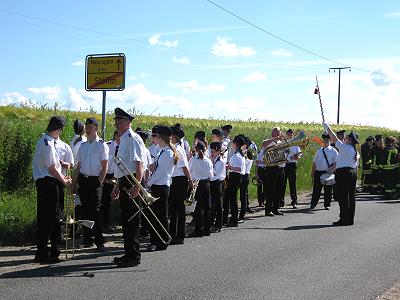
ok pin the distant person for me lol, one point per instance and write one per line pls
(47, 173)
(390, 168)
(366, 156)
(79, 137)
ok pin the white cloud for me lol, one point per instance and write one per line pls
(393, 14)
(155, 40)
(140, 76)
(15, 98)
(195, 86)
(255, 76)
(78, 63)
(224, 47)
(281, 53)
(182, 61)
(384, 76)
(49, 92)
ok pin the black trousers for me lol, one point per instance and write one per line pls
(366, 177)
(317, 187)
(177, 197)
(244, 194)
(273, 181)
(106, 201)
(216, 205)
(290, 175)
(260, 187)
(90, 191)
(346, 179)
(49, 215)
(376, 178)
(233, 185)
(160, 209)
(130, 230)
(389, 181)
(202, 211)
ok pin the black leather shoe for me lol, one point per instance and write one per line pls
(250, 210)
(151, 248)
(41, 258)
(129, 262)
(241, 220)
(278, 213)
(312, 206)
(177, 241)
(327, 208)
(232, 224)
(215, 229)
(195, 234)
(118, 259)
(100, 248)
(269, 214)
(342, 223)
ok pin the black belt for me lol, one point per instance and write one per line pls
(204, 180)
(89, 177)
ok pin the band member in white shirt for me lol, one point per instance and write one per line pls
(184, 143)
(260, 173)
(273, 178)
(131, 152)
(48, 177)
(147, 154)
(235, 168)
(79, 137)
(154, 148)
(217, 135)
(181, 180)
(244, 184)
(290, 170)
(226, 142)
(201, 169)
(91, 169)
(345, 175)
(216, 186)
(160, 182)
(108, 184)
(322, 165)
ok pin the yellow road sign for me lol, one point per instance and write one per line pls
(105, 72)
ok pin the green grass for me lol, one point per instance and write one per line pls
(21, 127)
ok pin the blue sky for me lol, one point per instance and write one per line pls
(191, 58)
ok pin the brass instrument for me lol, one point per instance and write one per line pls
(277, 154)
(146, 198)
(190, 200)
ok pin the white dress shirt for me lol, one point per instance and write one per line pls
(293, 150)
(148, 159)
(200, 168)
(186, 147)
(260, 157)
(154, 150)
(238, 161)
(164, 167)
(182, 162)
(219, 170)
(112, 147)
(64, 153)
(45, 156)
(248, 164)
(90, 156)
(76, 145)
(131, 150)
(346, 156)
(320, 161)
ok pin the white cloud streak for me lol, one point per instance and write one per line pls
(181, 61)
(225, 48)
(155, 40)
(78, 63)
(49, 92)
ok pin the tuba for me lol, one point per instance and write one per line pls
(277, 154)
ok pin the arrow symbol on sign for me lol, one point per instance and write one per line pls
(118, 62)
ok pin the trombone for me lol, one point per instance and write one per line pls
(147, 199)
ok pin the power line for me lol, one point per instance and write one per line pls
(278, 37)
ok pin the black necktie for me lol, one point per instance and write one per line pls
(116, 151)
(156, 164)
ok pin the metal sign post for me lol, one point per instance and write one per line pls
(105, 72)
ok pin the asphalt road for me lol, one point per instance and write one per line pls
(295, 256)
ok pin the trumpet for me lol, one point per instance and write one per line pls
(190, 200)
(146, 198)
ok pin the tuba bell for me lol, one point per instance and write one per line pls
(277, 154)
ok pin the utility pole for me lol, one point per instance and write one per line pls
(338, 101)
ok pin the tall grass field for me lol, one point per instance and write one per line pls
(20, 128)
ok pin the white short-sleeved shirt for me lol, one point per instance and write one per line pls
(154, 150)
(200, 168)
(76, 145)
(164, 167)
(90, 156)
(260, 157)
(293, 150)
(64, 153)
(45, 156)
(182, 162)
(186, 147)
(219, 170)
(238, 161)
(346, 156)
(320, 161)
(248, 163)
(131, 150)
